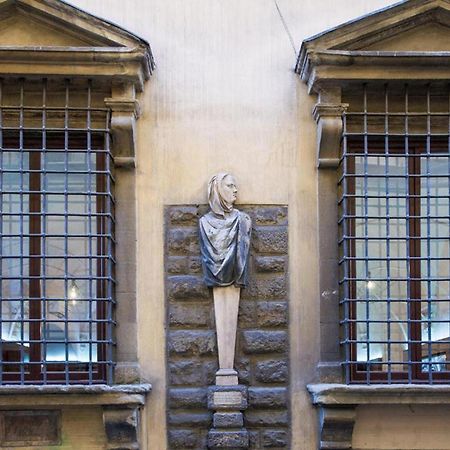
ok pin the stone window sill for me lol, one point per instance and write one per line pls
(121, 405)
(337, 395)
(337, 405)
(73, 395)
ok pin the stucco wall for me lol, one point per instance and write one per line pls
(224, 96)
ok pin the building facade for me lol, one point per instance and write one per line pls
(113, 117)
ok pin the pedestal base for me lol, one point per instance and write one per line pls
(226, 377)
(228, 402)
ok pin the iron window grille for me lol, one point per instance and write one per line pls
(56, 233)
(394, 234)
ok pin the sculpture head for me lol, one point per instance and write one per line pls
(222, 192)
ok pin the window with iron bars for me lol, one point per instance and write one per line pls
(394, 234)
(56, 233)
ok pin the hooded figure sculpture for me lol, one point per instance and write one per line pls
(224, 236)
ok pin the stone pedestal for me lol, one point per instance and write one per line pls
(228, 430)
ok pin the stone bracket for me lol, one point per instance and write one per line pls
(122, 427)
(336, 428)
(329, 133)
(125, 111)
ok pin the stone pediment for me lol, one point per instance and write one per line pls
(53, 38)
(394, 42)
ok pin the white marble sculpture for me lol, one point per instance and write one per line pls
(225, 242)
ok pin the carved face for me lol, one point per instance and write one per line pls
(228, 189)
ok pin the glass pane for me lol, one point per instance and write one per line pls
(435, 263)
(381, 265)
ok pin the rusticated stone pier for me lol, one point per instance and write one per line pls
(262, 341)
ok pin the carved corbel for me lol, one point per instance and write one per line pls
(329, 132)
(125, 111)
(336, 427)
(122, 427)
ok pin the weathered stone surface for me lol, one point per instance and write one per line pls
(189, 418)
(184, 372)
(270, 263)
(274, 438)
(228, 439)
(177, 265)
(257, 418)
(273, 371)
(187, 398)
(182, 439)
(192, 343)
(183, 241)
(189, 314)
(271, 314)
(195, 265)
(247, 314)
(254, 440)
(183, 215)
(271, 240)
(272, 288)
(257, 341)
(270, 215)
(243, 368)
(271, 397)
(121, 426)
(228, 420)
(187, 287)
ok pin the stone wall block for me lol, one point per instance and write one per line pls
(184, 215)
(247, 314)
(260, 418)
(186, 287)
(272, 371)
(272, 288)
(228, 439)
(270, 240)
(188, 398)
(183, 241)
(274, 438)
(271, 314)
(182, 418)
(195, 265)
(269, 215)
(180, 439)
(270, 397)
(228, 420)
(192, 343)
(186, 372)
(177, 265)
(190, 314)
(266, 264)
(258, 341)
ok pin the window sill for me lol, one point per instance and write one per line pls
(127, 395)
(337, 405)
(336, 395)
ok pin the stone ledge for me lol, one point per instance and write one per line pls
(73, 395)
(341, 395)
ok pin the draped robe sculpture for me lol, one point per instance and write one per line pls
(224, 242)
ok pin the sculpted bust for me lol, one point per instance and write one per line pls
(224, 235)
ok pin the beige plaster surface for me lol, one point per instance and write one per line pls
(225, 97)
(404, 427)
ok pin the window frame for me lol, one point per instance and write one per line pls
(414, 149)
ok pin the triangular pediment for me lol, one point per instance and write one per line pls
(408, 20)
(54, 23)
(410, 33)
